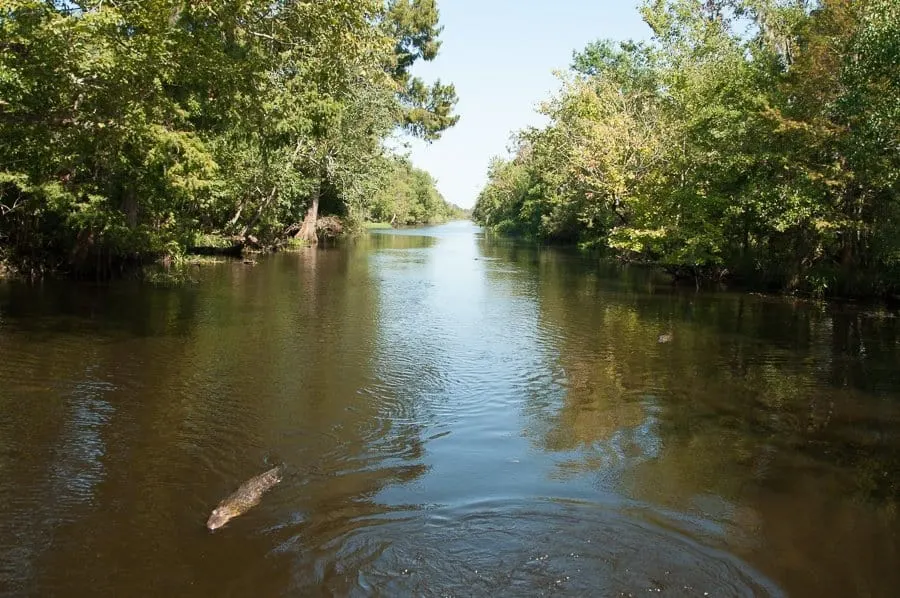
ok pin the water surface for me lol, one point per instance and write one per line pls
(459, 416)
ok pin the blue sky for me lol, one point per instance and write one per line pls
(501, 55)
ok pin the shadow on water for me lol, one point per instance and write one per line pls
(459, 415)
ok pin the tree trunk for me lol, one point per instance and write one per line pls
(307, 230)
(130, 207)
(236, 217)
(262, 207)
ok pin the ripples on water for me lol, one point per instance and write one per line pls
(458, 416)
(511, 548)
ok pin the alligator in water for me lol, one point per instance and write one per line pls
(244, 498)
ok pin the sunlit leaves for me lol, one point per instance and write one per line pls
(758, 137)
(160, 117)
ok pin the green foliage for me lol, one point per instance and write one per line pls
(770, 152)
(409, 197)
(427, 111)
(128, 128)
(377, 225)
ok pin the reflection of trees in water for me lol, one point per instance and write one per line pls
(777, 376)
(762, 409)
(113, 418)
(353, 416)
(601, 417)
(305, 349)
(73, 357)
(206, 381)
(59, 435)
(394, 239)
(602, 413)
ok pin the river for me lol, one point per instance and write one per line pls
(458, 416)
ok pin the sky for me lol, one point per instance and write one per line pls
(500, 55)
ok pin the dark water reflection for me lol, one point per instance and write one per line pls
(459, 416)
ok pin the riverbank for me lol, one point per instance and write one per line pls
(834, 283)
(92, 258)
(103, 263)
(722, 278)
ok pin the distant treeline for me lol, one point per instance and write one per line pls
(757, 140)
(128, 129)
(410, 196)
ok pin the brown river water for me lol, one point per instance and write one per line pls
(457, 416)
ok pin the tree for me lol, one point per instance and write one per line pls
(409, 196)
(766, 153)
(129, 127)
